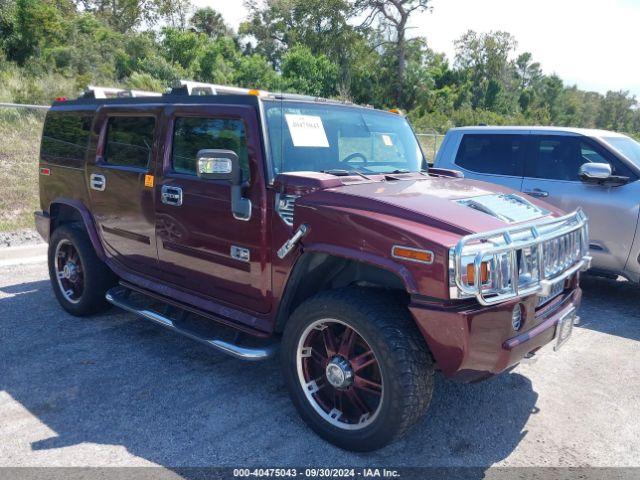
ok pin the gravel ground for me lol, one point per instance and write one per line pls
(113, 390)
(18, 238)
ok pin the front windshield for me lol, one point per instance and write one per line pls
(338, 139)
(626, 146)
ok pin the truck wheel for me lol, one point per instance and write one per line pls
(357, 368)
(79, 278)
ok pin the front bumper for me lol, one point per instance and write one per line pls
(475, 342)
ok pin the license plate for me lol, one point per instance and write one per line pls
(564, 328)
(556, 290)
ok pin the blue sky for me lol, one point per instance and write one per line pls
(591, 43)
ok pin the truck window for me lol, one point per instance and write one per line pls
(129, 141)
(304, 136)
(191, 134)
(560, 158)
(493, 154)
(65, 137)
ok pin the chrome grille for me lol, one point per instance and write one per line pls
(560, 253)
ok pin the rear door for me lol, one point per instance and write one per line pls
(552, 174)
(493, 157)
(201, 245)
(122, 205)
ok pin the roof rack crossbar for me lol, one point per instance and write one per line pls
(188, 87)
(93, 91)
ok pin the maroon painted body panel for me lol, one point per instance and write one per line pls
(194, 239)
(183, 252)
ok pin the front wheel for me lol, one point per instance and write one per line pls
(356, 367)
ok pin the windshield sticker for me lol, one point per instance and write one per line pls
(387, 140)
(307, 131)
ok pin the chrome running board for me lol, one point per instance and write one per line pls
(121, 297)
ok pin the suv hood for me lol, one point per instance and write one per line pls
(457, 205)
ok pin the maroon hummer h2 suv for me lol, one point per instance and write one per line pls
(259, 223)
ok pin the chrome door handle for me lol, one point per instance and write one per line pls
(536, 192)
(170, 195)
(98, 182)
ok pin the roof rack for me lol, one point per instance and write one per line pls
(191, 88)
(93, 91)
(188, 87)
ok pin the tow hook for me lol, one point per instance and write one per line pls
(291, 243)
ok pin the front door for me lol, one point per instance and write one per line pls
(122, 205)
(552, 174)
(201, 245)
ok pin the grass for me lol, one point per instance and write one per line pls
(19, 149)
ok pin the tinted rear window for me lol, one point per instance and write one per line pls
(129, 141)
(65, 137)
(492, 154)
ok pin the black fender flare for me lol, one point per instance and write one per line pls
(87, 220)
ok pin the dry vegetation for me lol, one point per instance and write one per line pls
(19, 147)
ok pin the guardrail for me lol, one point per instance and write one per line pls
(25, 105)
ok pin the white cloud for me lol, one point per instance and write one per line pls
(592, 43)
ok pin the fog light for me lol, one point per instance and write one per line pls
(516, 317)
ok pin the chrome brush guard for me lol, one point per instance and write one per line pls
(521, 260)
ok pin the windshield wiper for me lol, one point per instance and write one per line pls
(338, 172)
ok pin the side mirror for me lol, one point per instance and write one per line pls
(216, 164)
(595, 172)
(213, 164)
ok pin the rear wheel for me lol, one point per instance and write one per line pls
(357, 368)
(78, 277)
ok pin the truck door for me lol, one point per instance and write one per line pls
(121, 202)
(202, 247)
(552, 174)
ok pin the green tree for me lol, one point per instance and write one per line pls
(617, 111)
(304, 72)
(392, 17)
(50, 28)
(210, 22)
(278, 25)
(483, 59)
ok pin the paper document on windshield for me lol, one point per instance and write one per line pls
(306, 131)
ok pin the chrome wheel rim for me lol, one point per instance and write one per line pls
(339, 374)
(69, 271)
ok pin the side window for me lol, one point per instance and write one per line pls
(129, 141)
(65, 137)
(493, 154)
(560, 158)
(192, 134)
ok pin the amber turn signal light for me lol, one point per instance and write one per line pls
(471, 273)
(413, 254)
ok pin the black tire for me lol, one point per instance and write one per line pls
(405, 365)
(97, 278)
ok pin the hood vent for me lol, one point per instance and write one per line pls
(284, 207)
(509, 208)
